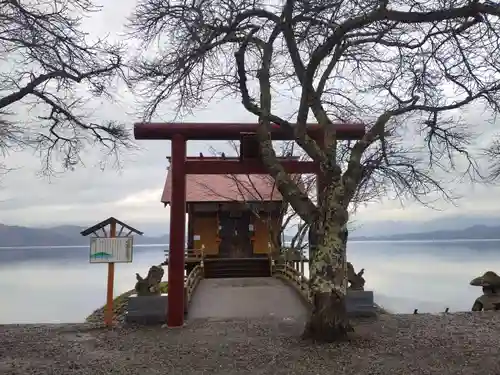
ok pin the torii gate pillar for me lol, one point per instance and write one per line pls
(177, 233)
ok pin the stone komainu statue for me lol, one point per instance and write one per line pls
(356, 280)
(150, 285)
(490, 300)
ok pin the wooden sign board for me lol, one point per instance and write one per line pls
(111, 250)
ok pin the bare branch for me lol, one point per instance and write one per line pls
(50, 67)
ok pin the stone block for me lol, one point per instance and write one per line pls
(360, 303)
(147, 309)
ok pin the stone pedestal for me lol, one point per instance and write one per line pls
(147, 309)
(360, 303)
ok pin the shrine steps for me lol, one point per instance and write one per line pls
(236, 267)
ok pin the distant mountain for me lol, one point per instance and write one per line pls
(69, 235)
(475, 232)
(379, 228)
(65, 235)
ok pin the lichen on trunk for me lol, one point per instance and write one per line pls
(328, 270)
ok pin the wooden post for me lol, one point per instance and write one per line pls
(175, 317)
(96, 257)
(108, 314)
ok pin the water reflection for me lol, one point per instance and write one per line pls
(59, 285)
(429, 276)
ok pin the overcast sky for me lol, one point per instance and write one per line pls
(133, 193)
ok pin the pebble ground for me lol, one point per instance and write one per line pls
(466, 343)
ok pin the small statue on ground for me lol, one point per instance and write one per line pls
(356, 280)
(490, 300)
(149, 286)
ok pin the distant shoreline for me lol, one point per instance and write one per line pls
(351, 240)
(71, 246)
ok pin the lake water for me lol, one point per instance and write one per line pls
(50, 285)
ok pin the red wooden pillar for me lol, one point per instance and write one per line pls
(177, 233)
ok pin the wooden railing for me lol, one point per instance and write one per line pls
(358, 305)
(195, 253)
(192, 253)
(295, 278)
(191, 283)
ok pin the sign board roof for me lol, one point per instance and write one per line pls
(106, 222)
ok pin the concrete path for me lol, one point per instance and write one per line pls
(246, 298)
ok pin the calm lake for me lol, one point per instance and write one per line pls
(50, 285)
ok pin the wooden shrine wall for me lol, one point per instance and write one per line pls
(204, 229)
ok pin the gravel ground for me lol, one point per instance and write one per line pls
(394, 344)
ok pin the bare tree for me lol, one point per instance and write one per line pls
(404, 68)
(49, 70)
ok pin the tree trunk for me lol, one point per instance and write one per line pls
(328, 321)
(328, 277)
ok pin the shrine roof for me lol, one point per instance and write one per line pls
(226, 188)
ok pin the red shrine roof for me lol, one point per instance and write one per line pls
(225, 188)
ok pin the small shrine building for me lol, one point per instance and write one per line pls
(230, 216)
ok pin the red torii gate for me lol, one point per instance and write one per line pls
(179, 134)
